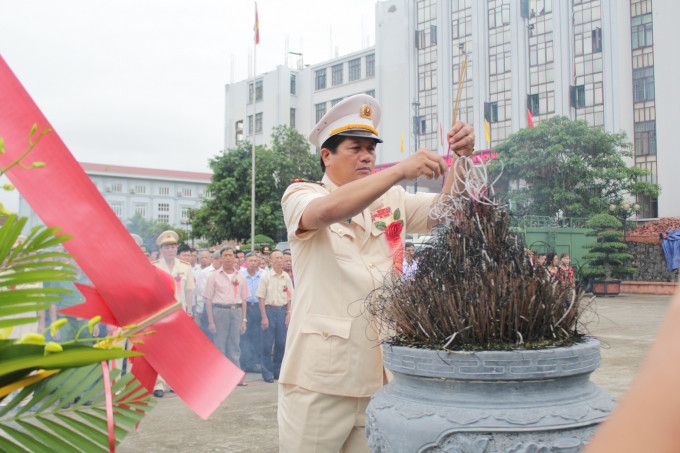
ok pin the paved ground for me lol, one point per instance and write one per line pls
(246, 422)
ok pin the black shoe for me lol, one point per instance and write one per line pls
(276, 377)
(158, 393)
(269, 380)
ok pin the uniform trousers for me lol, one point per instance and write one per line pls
(251, 340)
(227, 337)
(275, 335)
(312, 422)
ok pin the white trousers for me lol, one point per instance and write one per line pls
(312, 422)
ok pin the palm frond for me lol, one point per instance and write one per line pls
(53, 420)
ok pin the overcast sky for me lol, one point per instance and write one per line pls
(141, 82)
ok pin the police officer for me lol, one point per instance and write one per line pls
(338, 231)
(179, 269)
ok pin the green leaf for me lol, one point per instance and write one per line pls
(72, 436)
(2, 145)
(48, 438)
(27, 441)
(101, 423)
(397, 214)
(380, 225)
(86, 430)
(9, 447)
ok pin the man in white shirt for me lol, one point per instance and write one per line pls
(201, 317)
(410, 265)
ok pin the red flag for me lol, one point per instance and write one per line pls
(531, 118)
(257, 27)
(128, 284)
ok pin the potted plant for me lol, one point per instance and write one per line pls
(487, 352)
(606, 255)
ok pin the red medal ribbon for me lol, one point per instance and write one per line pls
(62, 195)
(109, 407)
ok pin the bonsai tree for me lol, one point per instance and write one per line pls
(608, 252)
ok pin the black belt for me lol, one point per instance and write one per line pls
(283, 307)
(227, 306)
(253, 303)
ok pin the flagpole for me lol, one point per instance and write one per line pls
(252, 188)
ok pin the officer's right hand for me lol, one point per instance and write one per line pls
(211, 327)
(265, 323)
(422, 163)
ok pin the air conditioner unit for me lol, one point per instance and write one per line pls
(200, 195)
(133, 191)
(179, 193)
(108, 188)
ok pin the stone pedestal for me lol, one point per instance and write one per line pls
(538, 401)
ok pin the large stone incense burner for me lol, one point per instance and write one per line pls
(486, 348)
(531, 401)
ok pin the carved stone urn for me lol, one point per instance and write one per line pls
(521, 401)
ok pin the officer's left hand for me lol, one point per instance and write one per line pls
(243, 327)
(461, 137)
(287, 320)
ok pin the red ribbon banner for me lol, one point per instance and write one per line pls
(124, 281)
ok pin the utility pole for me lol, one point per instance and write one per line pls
(416, 132)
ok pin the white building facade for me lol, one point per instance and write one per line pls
(294, 97)
(584, 59)
(161, 195)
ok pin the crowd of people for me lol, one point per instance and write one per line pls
(556, 266)
(240, 300)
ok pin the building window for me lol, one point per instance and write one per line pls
(370, 65)
(491, 112)
(163, 207)
(433, 35)
(320, 79)
(320, 111)
(258, 90)
(461, 28)
(597, 40)
(292, 84)
(645, 138)
(185, 213)
(650, 206)
(292, 117)
(207, 193)
(117, 207)
(239, 132)
(165, 218)
(139, 188)
(354, 69)
(250, 124)
(500, 15)
(164, 191)
(335, 101)
(643, 84)
(371, 93)
(532, 104)
(116, 187)
(420, 39)
(186, 192)
(578, 96)
(258, 123)
(642, 31)
(140, 209)
(250, 93)
(337, 74)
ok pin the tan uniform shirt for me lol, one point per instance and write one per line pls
(330, 346)
(183, 275)
(272, 288)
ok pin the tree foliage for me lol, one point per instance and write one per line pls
(227, 214)
(608, 252)
(149, 230)
(566, 167)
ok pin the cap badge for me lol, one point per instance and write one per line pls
(366, 112)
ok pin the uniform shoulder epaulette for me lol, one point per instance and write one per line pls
(154, 262)
(307, 180)
(185, 262)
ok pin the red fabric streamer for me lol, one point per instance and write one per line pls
(288, 292)
(393, 235)
(64, 196)
(109, 407)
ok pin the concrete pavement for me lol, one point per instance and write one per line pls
(246, 421)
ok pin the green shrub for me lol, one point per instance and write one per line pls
(607, 253)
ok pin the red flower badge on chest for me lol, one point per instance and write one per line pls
(235, 283)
